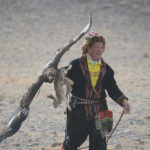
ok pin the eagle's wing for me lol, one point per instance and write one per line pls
(22, 111)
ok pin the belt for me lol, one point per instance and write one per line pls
(78, 100)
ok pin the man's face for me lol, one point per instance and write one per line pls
(96, 50)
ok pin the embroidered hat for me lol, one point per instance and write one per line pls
(92, 34)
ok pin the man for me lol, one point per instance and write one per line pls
(91, 77)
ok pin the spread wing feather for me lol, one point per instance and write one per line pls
(22, 111)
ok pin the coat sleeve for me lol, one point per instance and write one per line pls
(112, 88)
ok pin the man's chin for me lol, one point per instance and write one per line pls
(96, 58)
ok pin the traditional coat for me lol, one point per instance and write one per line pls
(83, 89)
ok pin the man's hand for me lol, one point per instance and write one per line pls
(126, 106)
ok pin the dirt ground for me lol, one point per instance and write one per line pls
(30, 33)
